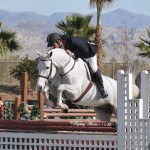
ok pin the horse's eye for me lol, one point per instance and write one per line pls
(47, 67)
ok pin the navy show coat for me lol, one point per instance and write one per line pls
(80, 47)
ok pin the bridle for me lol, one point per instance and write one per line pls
(59, 73)
(51, 64)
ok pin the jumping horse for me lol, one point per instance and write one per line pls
(67, 78)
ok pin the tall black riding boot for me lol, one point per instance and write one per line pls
(99, 81)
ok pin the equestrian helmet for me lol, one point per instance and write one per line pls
(52, 38)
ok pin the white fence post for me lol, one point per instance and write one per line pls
(124, 93)
(145, 93)
(133, 126)
(120, 110)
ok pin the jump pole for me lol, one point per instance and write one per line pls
(1, 108)
(24, 87)
(17, 105)
(41, 103)
(59, 125)
(24, 95)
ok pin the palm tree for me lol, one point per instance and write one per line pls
(78, 26)
(100, 4)
(144, 46)
(7, 41)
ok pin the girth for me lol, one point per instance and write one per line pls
(85, 91)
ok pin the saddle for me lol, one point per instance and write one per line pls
(89, 70)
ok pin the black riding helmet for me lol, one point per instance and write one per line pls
(52, 38)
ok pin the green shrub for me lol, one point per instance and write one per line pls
(29, 66)
(8, 110)
(35, 112)
(24, 114)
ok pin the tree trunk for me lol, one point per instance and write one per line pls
(99, 47)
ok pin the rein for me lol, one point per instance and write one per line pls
(68, 70)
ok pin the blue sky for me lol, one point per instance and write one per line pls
(48, 7)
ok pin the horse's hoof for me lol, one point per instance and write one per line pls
(65, 110)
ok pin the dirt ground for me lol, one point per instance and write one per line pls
(9, 92)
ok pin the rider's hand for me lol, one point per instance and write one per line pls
(70, 53)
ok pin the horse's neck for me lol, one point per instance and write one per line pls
(60, 57)
(63, 61)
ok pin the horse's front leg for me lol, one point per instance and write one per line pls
(46, 98)
(48, 102)
(71, 93)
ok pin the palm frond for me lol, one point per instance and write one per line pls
(0, 25)
(6, 35)
(13, 45)
(101, 3)
(148, 32)
(78, 26)
(8, 42)
(145, 41)
(3, 49)
(142, 46)
(146, 54)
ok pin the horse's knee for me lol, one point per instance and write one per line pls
(60, 88)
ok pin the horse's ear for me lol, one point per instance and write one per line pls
(39, 53)
(50, 54)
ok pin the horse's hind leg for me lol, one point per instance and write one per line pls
(103, 113)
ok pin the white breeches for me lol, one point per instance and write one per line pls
(93, 63)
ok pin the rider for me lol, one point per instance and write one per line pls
(79, 48)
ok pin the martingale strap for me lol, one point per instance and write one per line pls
(83, 94)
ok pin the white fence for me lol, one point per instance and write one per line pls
(133, 114)
(59, 141)
(133, 126)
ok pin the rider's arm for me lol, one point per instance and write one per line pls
(70, 53)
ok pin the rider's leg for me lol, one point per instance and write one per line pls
(97, 75)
